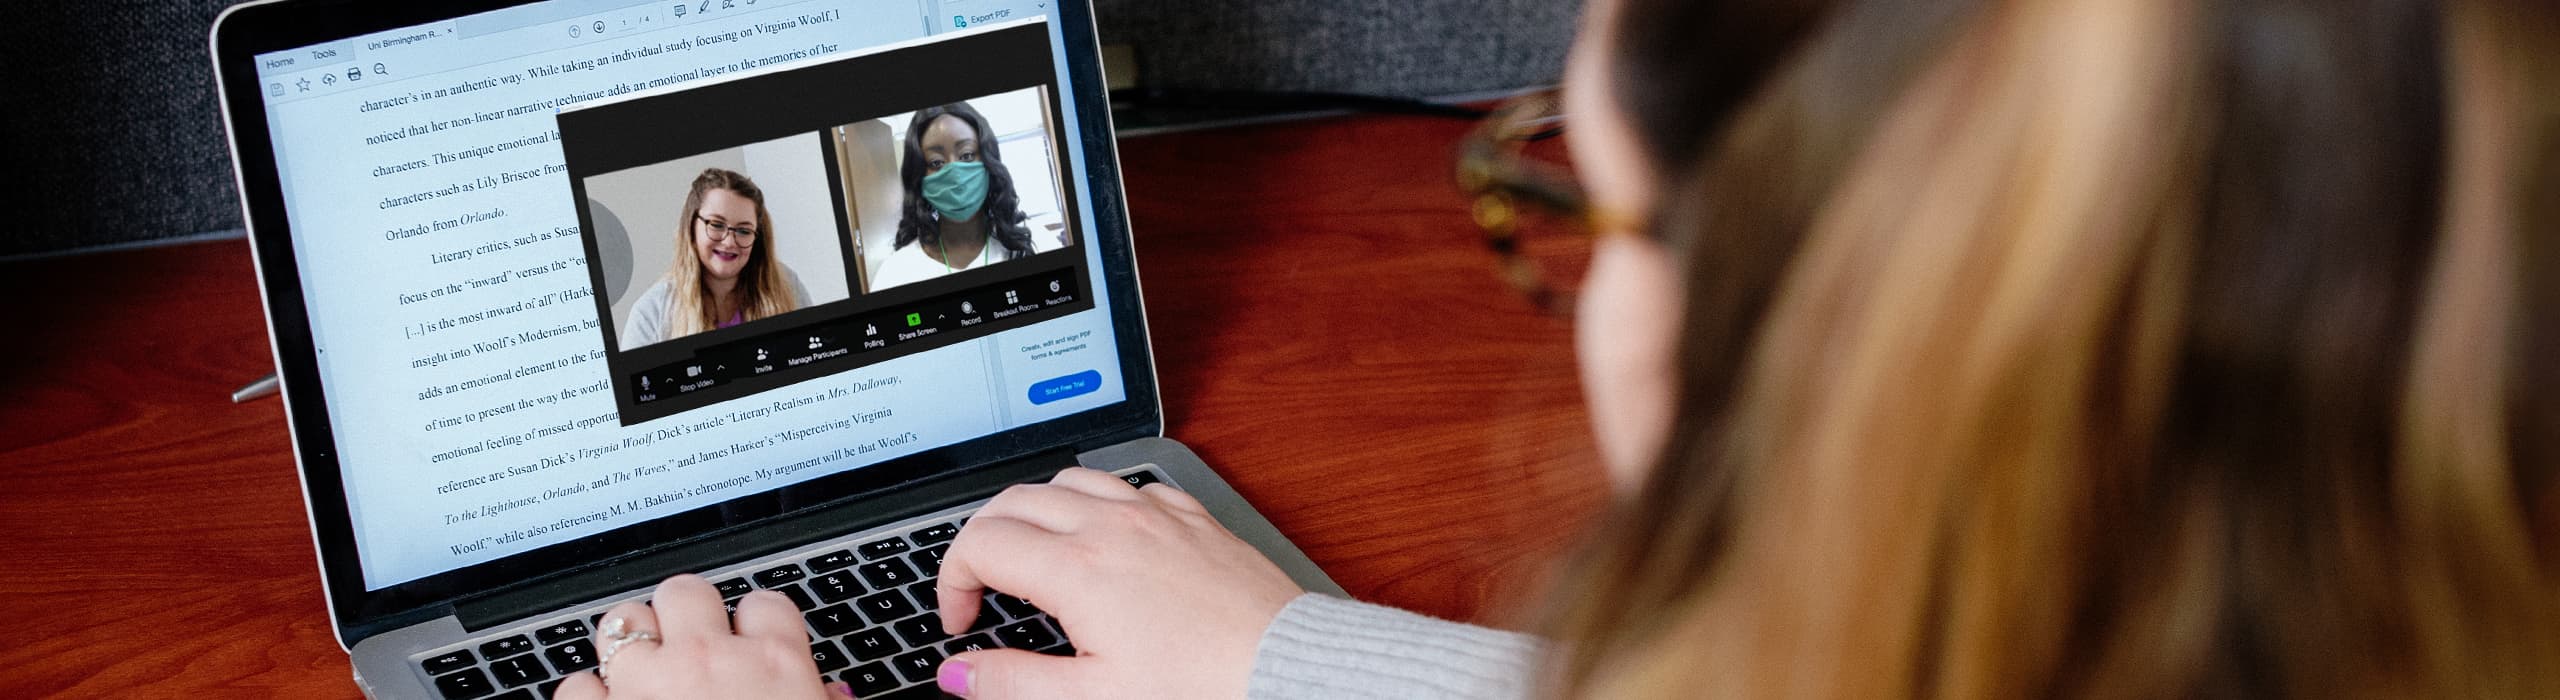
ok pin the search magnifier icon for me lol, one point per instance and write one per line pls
(379, 69)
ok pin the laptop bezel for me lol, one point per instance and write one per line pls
(246, 31)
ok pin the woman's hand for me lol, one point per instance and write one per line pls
(696, 654)
(1159, 599)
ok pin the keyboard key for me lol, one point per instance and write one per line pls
(799, 598)
(975, 642)
(466, 683)
(550, 687)
(834, 620)
(929, 561)
(525, 694)
(732, 588)
(1141, 478)
(572, 657)
(1062, 649)
(937, 534)
(779, 575)
(829, 658)
(562, 632)
(449, 661)
(1015, 607)
(521, 670)
(885, 548)
(887, 574)
(987, 616)
(869, 679)
(885, 606)
(829, 561)
(917, 666)
(925, 596)
(871, 644)
(920, 631)
(1027, 634)
(836, 587)
(921, 692)
(504, 648)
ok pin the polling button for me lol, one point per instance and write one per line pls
(1077, 384)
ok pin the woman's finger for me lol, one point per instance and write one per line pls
(626, 632)
(1053, 508)
(689, 607)
(635, 616)
(1007, 554)
(1174, 498)
(582, 685)
(765, 613)
(1010, 674)
(1094, 483)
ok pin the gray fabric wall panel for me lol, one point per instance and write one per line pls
(110, 127)
(112, 132)
(1414, 48)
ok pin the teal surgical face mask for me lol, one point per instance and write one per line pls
(958, 190)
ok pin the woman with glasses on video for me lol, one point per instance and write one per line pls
(724, 272)
(1950, 349)
(961, 211)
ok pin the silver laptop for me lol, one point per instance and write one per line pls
(570, 296)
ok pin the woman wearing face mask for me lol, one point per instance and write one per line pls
(724, 273)
(961, 210)
(2065, 348)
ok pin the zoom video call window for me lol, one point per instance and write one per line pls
(565, 282)
(781, 226)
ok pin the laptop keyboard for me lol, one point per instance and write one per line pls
(870, 608)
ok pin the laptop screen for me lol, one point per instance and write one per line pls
(573, 266)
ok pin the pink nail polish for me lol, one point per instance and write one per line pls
(954, 677)
(841, 689)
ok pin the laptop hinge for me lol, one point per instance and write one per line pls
(854, 514)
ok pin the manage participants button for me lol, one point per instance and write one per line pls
(1077, 384)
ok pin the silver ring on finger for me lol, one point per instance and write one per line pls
(617, 634)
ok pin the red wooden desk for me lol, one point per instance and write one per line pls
(1327, 330)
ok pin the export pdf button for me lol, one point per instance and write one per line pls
(1077, 384)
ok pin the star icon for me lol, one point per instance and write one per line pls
(304, 84)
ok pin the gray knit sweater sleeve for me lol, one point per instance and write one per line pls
(1326, 647)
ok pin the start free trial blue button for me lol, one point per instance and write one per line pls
(1077, 384)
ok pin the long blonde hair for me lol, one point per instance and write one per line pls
(762, 290)
(2094, 348)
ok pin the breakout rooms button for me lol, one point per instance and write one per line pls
(1077, 384)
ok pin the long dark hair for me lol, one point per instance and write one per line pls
(918, 222)
(2092, 349)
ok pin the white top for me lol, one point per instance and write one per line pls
(648, 320)
(909, 264)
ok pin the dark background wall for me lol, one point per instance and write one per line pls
(110, 127)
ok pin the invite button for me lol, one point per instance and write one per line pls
(1077, 384)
